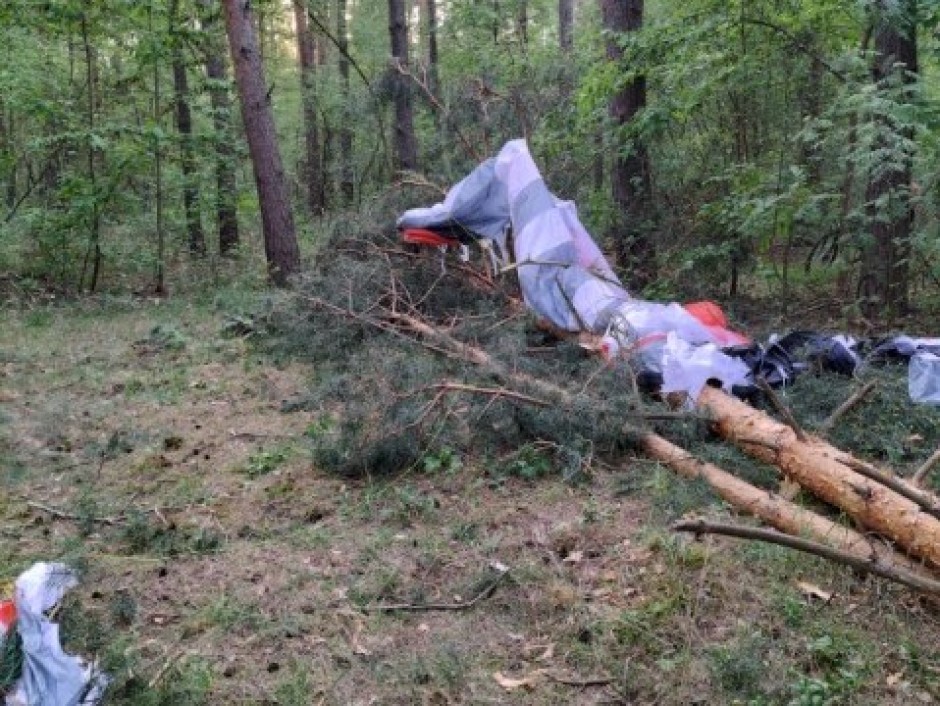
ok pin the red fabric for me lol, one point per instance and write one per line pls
(714, 319)
(7, 616)
(422, 236)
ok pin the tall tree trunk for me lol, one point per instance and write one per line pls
(159, 284)
(312, 169)
(346, 186)
(522, 22)
(8, 153)
(226, 194)
(184, 125)
(406, 146)
(434, 80)
(94, 226)
(630, 172)
(883, 285)
(280, 238)
(566, 26)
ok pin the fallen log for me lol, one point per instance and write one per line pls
(775, 510)
(771, 508)
(821, 469)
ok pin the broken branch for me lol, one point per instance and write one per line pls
(922, 472)
(846, 406)
(418, 607)
(63, 515)
(781, 408)
(920, 583)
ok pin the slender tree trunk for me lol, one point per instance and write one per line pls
(406, 146)
(433, 73)
(885, 263)
(522, 22)
(94, 235)
(226, 194)
(346, 186)
(312, 169)
(566, 26)
(8, 153)
(630, 171)
(184, 125)
(159, 281)
(280, 239)
(496, 18)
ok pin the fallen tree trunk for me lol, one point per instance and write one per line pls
(821, 469)
(771, 508)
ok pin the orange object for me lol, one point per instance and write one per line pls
(7, 616)
(710, 315)
(423, 236)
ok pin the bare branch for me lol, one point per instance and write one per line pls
(920, 583)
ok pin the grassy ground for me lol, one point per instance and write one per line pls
(220, 566)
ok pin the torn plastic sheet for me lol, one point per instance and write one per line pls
(923, 378)
(50, 676)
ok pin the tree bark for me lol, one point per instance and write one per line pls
(522, 22)
(312, 167)
(406, 146)
(280, 239)
(566, 26)
(883, 285)
(630, 171)
(346, 185)
(184, 125)
(434, 79)
(94, 235)
(226, 193)
(159, 272)
(825, 471)
(8, 153)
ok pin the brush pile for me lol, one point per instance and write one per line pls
(418, 359)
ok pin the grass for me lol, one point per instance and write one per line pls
(236, 567)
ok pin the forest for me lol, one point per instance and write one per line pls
(722, 148)
(291, 459)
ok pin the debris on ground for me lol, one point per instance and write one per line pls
(37, 671)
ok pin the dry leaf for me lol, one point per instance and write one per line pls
(893, 679)
(511, 684)
(547, 655)
(814, 591)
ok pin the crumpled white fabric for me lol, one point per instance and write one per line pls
(50, 676)
(688, 368)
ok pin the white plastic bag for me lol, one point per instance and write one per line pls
(923, 378)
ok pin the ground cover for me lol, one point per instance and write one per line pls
(185, 470)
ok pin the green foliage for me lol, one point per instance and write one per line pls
(11, 660)
(263, 462)
(141, 535)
